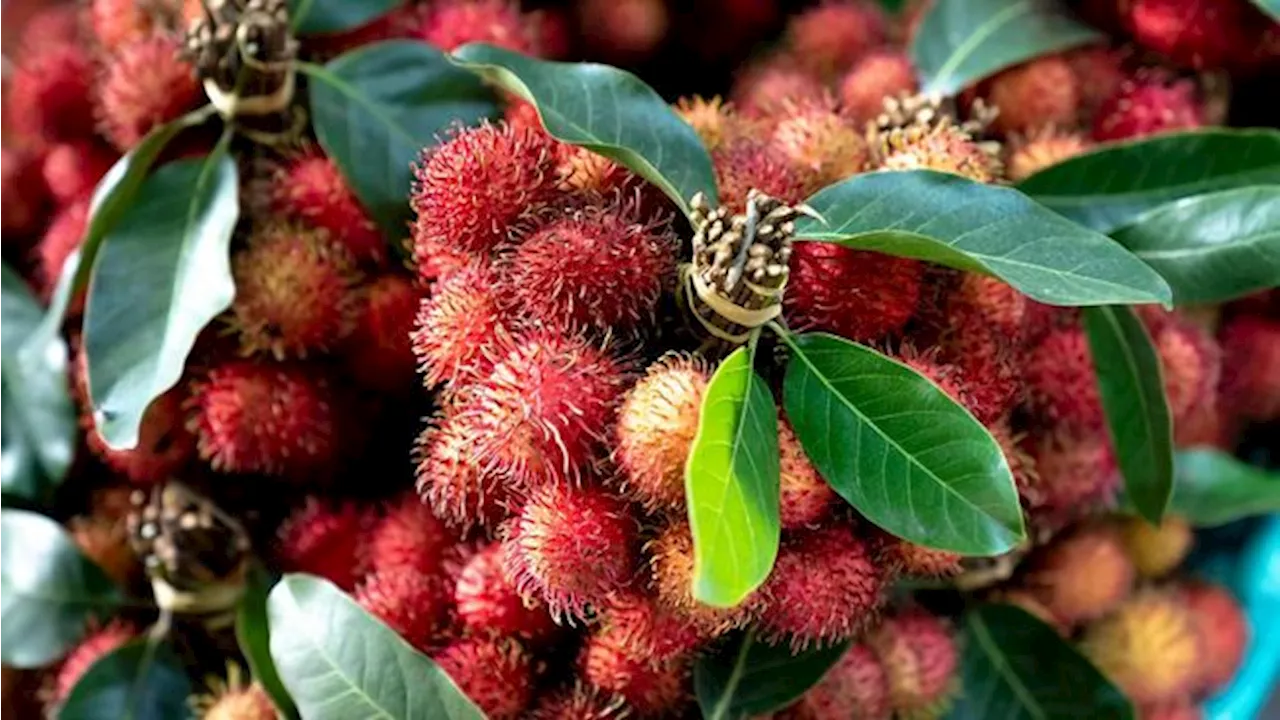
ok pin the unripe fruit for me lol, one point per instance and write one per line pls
(748, 163)
(651, 689)
(1060, 379)
(806, 498)
(450, 24)
(880, 74)
(1156, 549)
(943, 149)
(1035, 94)
(671, 563)
(49, 95)
(146, 84)
(1223, 631)
(1082, 576)
(1149, 647)
(815, 137)
(1147, 106)
(407, 537)
(97, 644)
(860, 295)
(497, 675)
(1043, 149)
(488, 603)
(450, 478)
(376, 351)
(457, 327)
(165, 444)
(416, 606)
(829, 38)
(310, 188)
(325, 540)
(72, 170)
(716, 122)
(855, 688)
(920, 658)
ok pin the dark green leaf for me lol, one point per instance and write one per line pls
(731, 483)
(1212, 247)
(374, 109)
(137, 335)
(1132, 391)
(253, 634)
(1270, 7)
(747, 677)
(1111, 186)
(47, 588)
(901, 451)
(960, 42)
(953, 221)
(314, 17)
(1212, 488)
(1014, 666)
(606, 110)
(143, 680)
(339, 662)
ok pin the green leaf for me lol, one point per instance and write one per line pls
(142, 680)
(954, 221)
(731, 484)
(960, 42)
(606, 110)
(1113, 185)
(137, 335)
(39, 435)
(1270, 7)
(48, 590)
(1014, 666)
(253, 635)
(748, 678)
(339, 662)
(315, 17)
(1212, 488)
(374, 109)
(901, 451)
(1132, 391)
(1213, 247)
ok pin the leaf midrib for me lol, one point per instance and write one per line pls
(339, 84)
(945, 73)
(997, 658)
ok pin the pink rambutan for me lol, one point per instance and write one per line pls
(805, 497)
(497, 674)
(295, 292)
(23, 194)
(855, 688)
(451, 479)
(378, 352)
(1035, 94)
(1250, 385)
(488, 603)
(1222, 628)
(622, 30)
(408, 537)
(458, 328)
(828, 39)
(1030, 154)
(649, 688)
(820, 140)
(1191, 364)
(72, 169)
(824, 588)
(96, 645)
(145, 84)
(50, 96)
(1198, 34)
(1061, 384)
(1081, 576)
(1074, 472)
(919, 654)
(579, 702)
(880, 74)
(257, 418)
(670, 555)
(416, 606)
(61, 238)
(1148, 105)
(450, 24)
(165, 445)
(324, 539)
(1149, 647)
(858, 294)
(764, 88)
(747, 163)
(48, 26)
(571, 547)
(310, 188)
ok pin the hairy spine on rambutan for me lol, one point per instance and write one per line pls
(1061, 384)
(857, 294)
(324, 539)
(855, 688)
(648, 627)
(450, 24)
(817, 138)
(805, 497)
(1028, 154)
(908, 558)
(461, 491)
(747, 163)
(458, 327)
(944, 148)
(920, 658)
(406, 537)
(1250, 384)
(1223, 631)
(49, 95)
(1035, 94)
(97, 644)
(413, 604)
(1149, 647)
(496, 674)
(489, 604)
(715, 121)
(1075, 471)
(670, 554)
(1148, 105)
(829, 38)
(310, 188)
(649, 688)
(145, 85)
(880, 74)
(236, 702)
(164, 446)
(1082, 576)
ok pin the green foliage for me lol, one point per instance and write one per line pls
(316, 17)
(1270, 7)
(1212, 488)
(749, 678)
(253, 635)
(142, 680)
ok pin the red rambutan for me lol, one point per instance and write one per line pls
(414, 605)
(1035, 94)
(824, 588)
(855, 688)
(817, 138)
(1074, 472)
(858, 294)
(451, 24)
(570, 547)
(1148, 105)
(1198, 34)
(1149, 647)
(650, 688)
(50, 96)
(497, 674)
(1082, 576)
(915, 560)
(1099, 72)
(378, 352)
(805, 497)
(830, 38)
(880, 74)
(97, 644)
(61, 238)
(72, 169)
(622, 30)
(324, 539)
(920, 658)
(407, 538)
(1191, 364)
(985, 300)
(1061, 384)
(164, 446)
(988, 370)
(457, 328)
(764, 88)
(670, 555)
(746, 163)
(1223, 631)
(118, 23)
(450, 478)
(146, 84)
(48, 26)
(1250, 385)
(105, 541)
(23, 194)
(577, 703)
(488, 603)
(310, 188)
(647, 627)
(1030, 154)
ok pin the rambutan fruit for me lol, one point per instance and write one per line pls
(49, 25)
(145, 84)
(408, 537)
(570, 547)
(472, 187)
(858, 294)
(942, 374)
(451, 479)
(324, 539)
(257, 418)
(1148, 105)
(310, 188)
(62, 237)
(764, 88)
(50, 94)
(715, 121)
(1181, 709)
(824, 588)
(96, 645)
(855, 688)
(1074, 472)
(497, 674)
(817, 138)
(656, 426)
(647, 627)
(165, 444)
(23, 195)
(415, 605)
(805, 497)
(1082, 576)
(649, 688)
(1197, 34)
(1061, 385)
(295, 292)
(1149, 647)
(579, 702)
(377, 351)
(119, 23)
(237, 702)
(583, 171)
(1035, 94)
(457, 328)
(829, 38)
(105, 541)
(746, 163)
(622, 30)
(920, 659)
(1038, 150)
(988, 370)
(670, 555)
(908, 558)
(878, 75)
(1223, 630)
(521, 115)
(591, 268)
(488, 603)
(73, 169)
(1099, 72)
(1156, 549)
(989, 301)
(450, 24)
(1251, 367)
(946, 148)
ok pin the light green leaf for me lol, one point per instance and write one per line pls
(316, 17)
(1016, 667)
(953, 221)
(1212, 488)
(748, 678)
(374, 109)
(1213, 247)
(606, 110)
(1113, 185)
(138, 333)
(142, 680)
(900, 450)
(731, 484)
(47, 588)
(960, 42)
(253, 635)
(1132, 391)
(339, 662)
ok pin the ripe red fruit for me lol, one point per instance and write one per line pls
(829, 38)
(450, 24)
(990, 301)
(1061, 385)
(1082, 576)
(591, 268)
(451, 479)
(1199, 34)
(416, 606)
(1149, 647)
(746, 163)
(458, 327)
(824, 588)
(920, 658)
(295, 292)
(23, 193)
(806, 498)
(72, 169)
(650, 688)
(825, 144)
(63, 237)
(92, 648)
(1099, 73)
(489, 604)
(50, 96)
(1191, 363)
(1035, 94)
(1223, 631)
(1251, 367)
(765, 88)
(1043, 149)
(855, 687)
(164, 446)
(577, 703)
(623, 30)
(1074, 472)
(258, 418)
(146, 84)
(377, 350)
(570, 547)
(878, 75)
(311, 189)
(1148, 105)
(671, 563)
(909, 558)
(52, 25)
(407, 538)
(496, 674)
(471, 189)
(647, 627)
(858, 294)
(988, 369)
(324, 539)
(117, 23)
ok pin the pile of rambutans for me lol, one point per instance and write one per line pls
(479, 431)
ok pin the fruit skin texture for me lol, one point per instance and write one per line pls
(856, 688)
(325, 540)
(878, 75)
(1149, 647)
(1060, 380)
(407, 538)
(920, 658)
(1251, 367)
(414, 605)
(824, 588)
(671, 561)
(651, 689)
(50, 94)
(909, 558)
(1075, 471)
(251, 703)
(570, 547)
(72, 169)
(145, 84)
(1199, 34)
(805, 498)
(860, 295)
(311, 189)
(497, 675)
(1223, 631)
(488, 603)
(376, 351)
(452, 482)
(1148, 106)
(452, 23)
(456, 328)
(577, 703)
(829, 38)
(1082, 576)
(1036, 94)
(815, 137)
(164, 446)
(1156, 550)
(92, 648)
(747, 163)
(1041, 150)
(942, 149)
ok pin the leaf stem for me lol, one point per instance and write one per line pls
(720, 712)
